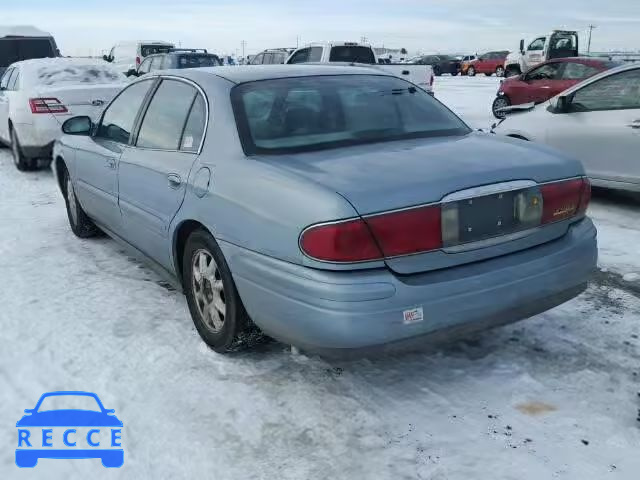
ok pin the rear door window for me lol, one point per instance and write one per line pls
(352, 54)
(577, 71)
(194, 129)
(268, 58)
(120, 116)
(164, 121)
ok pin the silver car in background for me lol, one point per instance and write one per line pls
(330, 207)
(597, 121)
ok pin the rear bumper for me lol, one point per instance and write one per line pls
(36, 139)
(324, 311)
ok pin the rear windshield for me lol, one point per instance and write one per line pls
(89, 74)
(17, 49)
(195, 61)
(312, 113)
(352, 54)
(147, 50)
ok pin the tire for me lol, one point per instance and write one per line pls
(500, 71)
(81, 225)
(488, 74)
(436, 71)
(215, 306)
(471, 72)
(500, 102)
(19, 160)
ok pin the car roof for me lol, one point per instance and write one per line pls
(252, 73)
(53, 61)
(143, 42)
(22, 31)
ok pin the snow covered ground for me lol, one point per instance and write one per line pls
(555, 396)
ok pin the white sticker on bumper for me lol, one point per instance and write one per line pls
(414, 315)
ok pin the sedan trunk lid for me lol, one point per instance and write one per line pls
(397, 175)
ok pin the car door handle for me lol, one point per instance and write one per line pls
(405, 72)
(174, 181)
(111, 163)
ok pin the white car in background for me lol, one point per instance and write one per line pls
(596, 121)
(127, 56)
(37, 96)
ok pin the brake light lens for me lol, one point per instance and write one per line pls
(374, 238)
(348, 241)
(566, 199)
(138, 61)
(47, 105)
(407, 231)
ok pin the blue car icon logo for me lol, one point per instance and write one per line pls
(69, 425)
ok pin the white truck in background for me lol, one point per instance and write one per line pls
(353, 52)
(557, 44)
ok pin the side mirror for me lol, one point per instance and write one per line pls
(81, 125)
(522, 45)
(561, 104)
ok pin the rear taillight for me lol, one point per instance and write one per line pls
(47, 105)
(137, 61)
(566, 199)
(407, 231)
(386, 235)
(348, 241)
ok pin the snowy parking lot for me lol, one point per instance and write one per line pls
(555, 396)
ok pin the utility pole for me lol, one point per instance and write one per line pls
(297, 41)
(244, 44)
(363, 39)
(591, 27)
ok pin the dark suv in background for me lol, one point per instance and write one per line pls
(178, 58)
(24, 43)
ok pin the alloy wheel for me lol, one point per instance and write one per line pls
(500, 72)
(208, 290)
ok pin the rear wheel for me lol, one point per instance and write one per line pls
(500, 71)
(498, 103)
(81, 225)
(21, 162)
(215, 306)
(471, 71)
(436, 71)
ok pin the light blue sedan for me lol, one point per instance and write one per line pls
(331, 207)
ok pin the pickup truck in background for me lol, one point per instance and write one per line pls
(557, 44)
(352, 52)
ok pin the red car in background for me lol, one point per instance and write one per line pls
(546, 80)
(488, 63)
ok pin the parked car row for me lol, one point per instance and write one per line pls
(403, 214)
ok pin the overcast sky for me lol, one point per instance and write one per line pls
(84, 27)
